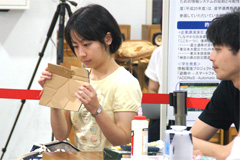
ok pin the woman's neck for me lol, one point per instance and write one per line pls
(103, 71)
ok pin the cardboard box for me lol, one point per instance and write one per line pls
(59, 92)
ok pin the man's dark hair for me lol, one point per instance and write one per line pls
(92, 23)
(225, 30)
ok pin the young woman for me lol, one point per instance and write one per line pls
(113, 96)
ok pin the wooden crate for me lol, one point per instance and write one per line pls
(230, 135)
(149, 30)
(218, 137)
(126, 30)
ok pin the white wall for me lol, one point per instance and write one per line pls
(131, 12)
(22, 35)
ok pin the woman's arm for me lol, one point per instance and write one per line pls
(61, 123)
(60, 120)
(118, 131)
(153, 86)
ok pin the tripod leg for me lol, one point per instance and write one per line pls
(69, 10)
(69, 14)
(61, 34)
(61, 31)
(41, 54)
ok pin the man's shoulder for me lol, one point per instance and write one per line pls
(227, 84)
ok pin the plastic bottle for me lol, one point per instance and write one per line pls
(139, 136)
(178, 144)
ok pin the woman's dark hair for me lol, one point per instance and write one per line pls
(92, 23)
(225, 30)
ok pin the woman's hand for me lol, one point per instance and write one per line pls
(45, 75)
(88, 96)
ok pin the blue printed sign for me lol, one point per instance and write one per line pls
(193, 24)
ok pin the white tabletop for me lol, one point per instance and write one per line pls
(160, 157)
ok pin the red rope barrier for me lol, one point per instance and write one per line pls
(20, 94)
(155, 98)
(197, 103)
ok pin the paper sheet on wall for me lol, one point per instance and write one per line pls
(188, 47)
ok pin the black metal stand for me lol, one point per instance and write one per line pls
(59, 12)
(178, 99)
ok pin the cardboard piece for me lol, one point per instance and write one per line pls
(59, 91)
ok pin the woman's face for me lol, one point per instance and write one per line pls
(92, 53)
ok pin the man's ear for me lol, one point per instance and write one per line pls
(108, 38)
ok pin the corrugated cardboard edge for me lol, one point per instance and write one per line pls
(59, 70)
(80, 74)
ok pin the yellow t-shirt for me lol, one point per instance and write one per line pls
(119, 91)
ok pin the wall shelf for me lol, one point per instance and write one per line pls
(14, 4)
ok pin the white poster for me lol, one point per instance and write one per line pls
(188, 47)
